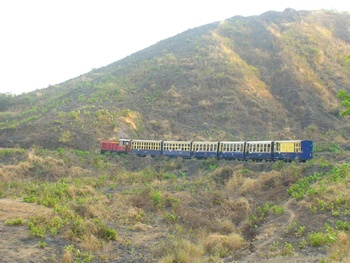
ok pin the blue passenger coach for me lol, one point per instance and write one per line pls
(231, 150)
(177, 149)
(301, 150)
(146, 147)
(259, 150)
(204, 149)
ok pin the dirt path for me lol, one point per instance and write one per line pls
(15, 243)
(273, 231)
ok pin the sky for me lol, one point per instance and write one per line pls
(47, 42)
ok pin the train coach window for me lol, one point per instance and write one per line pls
(277, 147)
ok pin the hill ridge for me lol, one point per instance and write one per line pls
(272, 76)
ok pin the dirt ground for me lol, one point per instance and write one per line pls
(272, 231)
(15, 243)
(17, 246)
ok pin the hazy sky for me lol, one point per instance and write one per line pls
(46, 42)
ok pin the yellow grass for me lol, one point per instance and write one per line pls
(339, 251)
(217, 244)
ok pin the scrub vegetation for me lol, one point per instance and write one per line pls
(101, 208)
(280, 75)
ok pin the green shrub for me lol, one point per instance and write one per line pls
(341, 225)
(318, 239)
(287, 250)
(15, 222)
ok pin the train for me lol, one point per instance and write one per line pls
(284, 150)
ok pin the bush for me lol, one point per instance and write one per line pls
(318, 239)
(15, 222)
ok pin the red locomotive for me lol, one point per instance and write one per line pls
(115, 146)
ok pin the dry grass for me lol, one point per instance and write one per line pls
(43, 168)
(236, 209)
(184, 252)
(140, 227)
(249, 187)
(339, 251)
(223, 245)
(67, 257)
(179, 248)
(240, 185)
(205, 104)
(91, 243)
(223, 226)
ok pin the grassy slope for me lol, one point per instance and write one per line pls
(110, 208)
(270, 76)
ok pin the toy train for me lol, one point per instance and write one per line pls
(286, 150)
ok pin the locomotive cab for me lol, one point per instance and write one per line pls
(113, 146)
(125, 143)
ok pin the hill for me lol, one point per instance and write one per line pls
(263, 77)
(273, 76)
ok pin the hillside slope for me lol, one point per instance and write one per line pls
(273, 76)
(80, 206)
